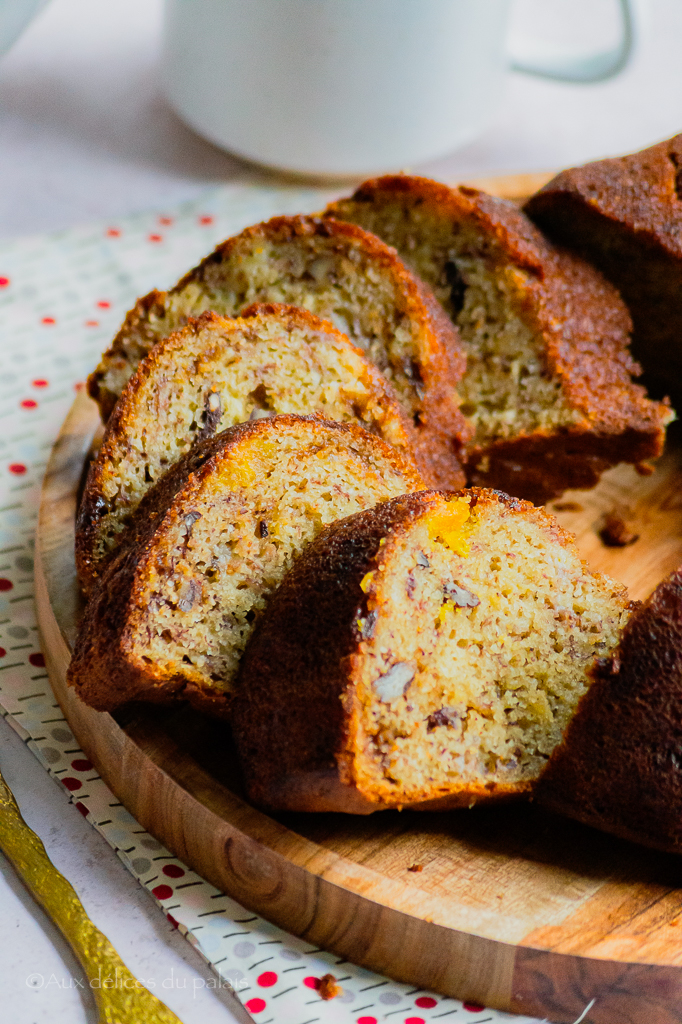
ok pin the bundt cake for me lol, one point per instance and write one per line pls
(172, 611)
(338, 272)
(625, 216)
(428, 653)
(548, 387)
(619, 766)
(210, 375)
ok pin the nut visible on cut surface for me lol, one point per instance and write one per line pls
(394, 683)
(444, 716)
(416, 867)
(459, 596)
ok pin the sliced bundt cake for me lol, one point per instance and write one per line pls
(426, 653)
(619, 765)
(548, 386)
(210, 375)
(336, 271)
(209, 542)
(625, 216)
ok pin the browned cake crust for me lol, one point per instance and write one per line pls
(469, 247)
(619, 767)
(339, 272)
(302, 714)
(172, 611)
(625, 216)
(214, 373)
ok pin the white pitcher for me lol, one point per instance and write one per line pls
(354, 87)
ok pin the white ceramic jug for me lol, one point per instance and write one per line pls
(354, 87)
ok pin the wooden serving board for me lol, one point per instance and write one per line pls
(514, 907)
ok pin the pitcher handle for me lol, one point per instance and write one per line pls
(569, 65)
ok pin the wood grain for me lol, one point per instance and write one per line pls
(514, 907)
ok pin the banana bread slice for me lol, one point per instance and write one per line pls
(337, 271)
(210, 375)
(426, 653)
(625, 216)
(209, 542)
(619, 766)
(548, 386)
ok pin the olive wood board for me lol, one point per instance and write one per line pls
(511, 906)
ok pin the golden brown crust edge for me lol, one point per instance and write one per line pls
(442, 353)
(105, 668)
(292, 713)
(95, 505)
(619, 765)
(586, 327)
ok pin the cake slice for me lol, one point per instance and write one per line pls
(426, 653)
(210, 375)
(619, 766)
(209, 542)
(548, 387)
(338, 272)
(625, 216)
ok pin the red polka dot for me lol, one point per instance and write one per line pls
(3, 652)
(155, 238)
(255, 1005)
(72, 784)
(311, 982)
(473, 1007)
(5, 584)
(173, 871)
(113, 232)
(415, 1020)
(367, 1020)
(104, 304)
(40, 382)
(4, 281)
(426, 1002)
(162, 892)
(28, 403)
(37, 659)
(92, 323)
(172, 920)
(83, 809)
(206, 219)
(81, 765)
(48, 320)
(165, 220)
(267, 978)
(18, 468)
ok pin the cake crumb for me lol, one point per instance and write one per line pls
(416, 867)
(616, 533)
(645, 468)
(328, 987)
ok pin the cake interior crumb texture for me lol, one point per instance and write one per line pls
(294, 261)
(216, 373)
(496, 632)
(229, 537)
(506, 391)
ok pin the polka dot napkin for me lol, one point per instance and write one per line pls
(61, 300)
